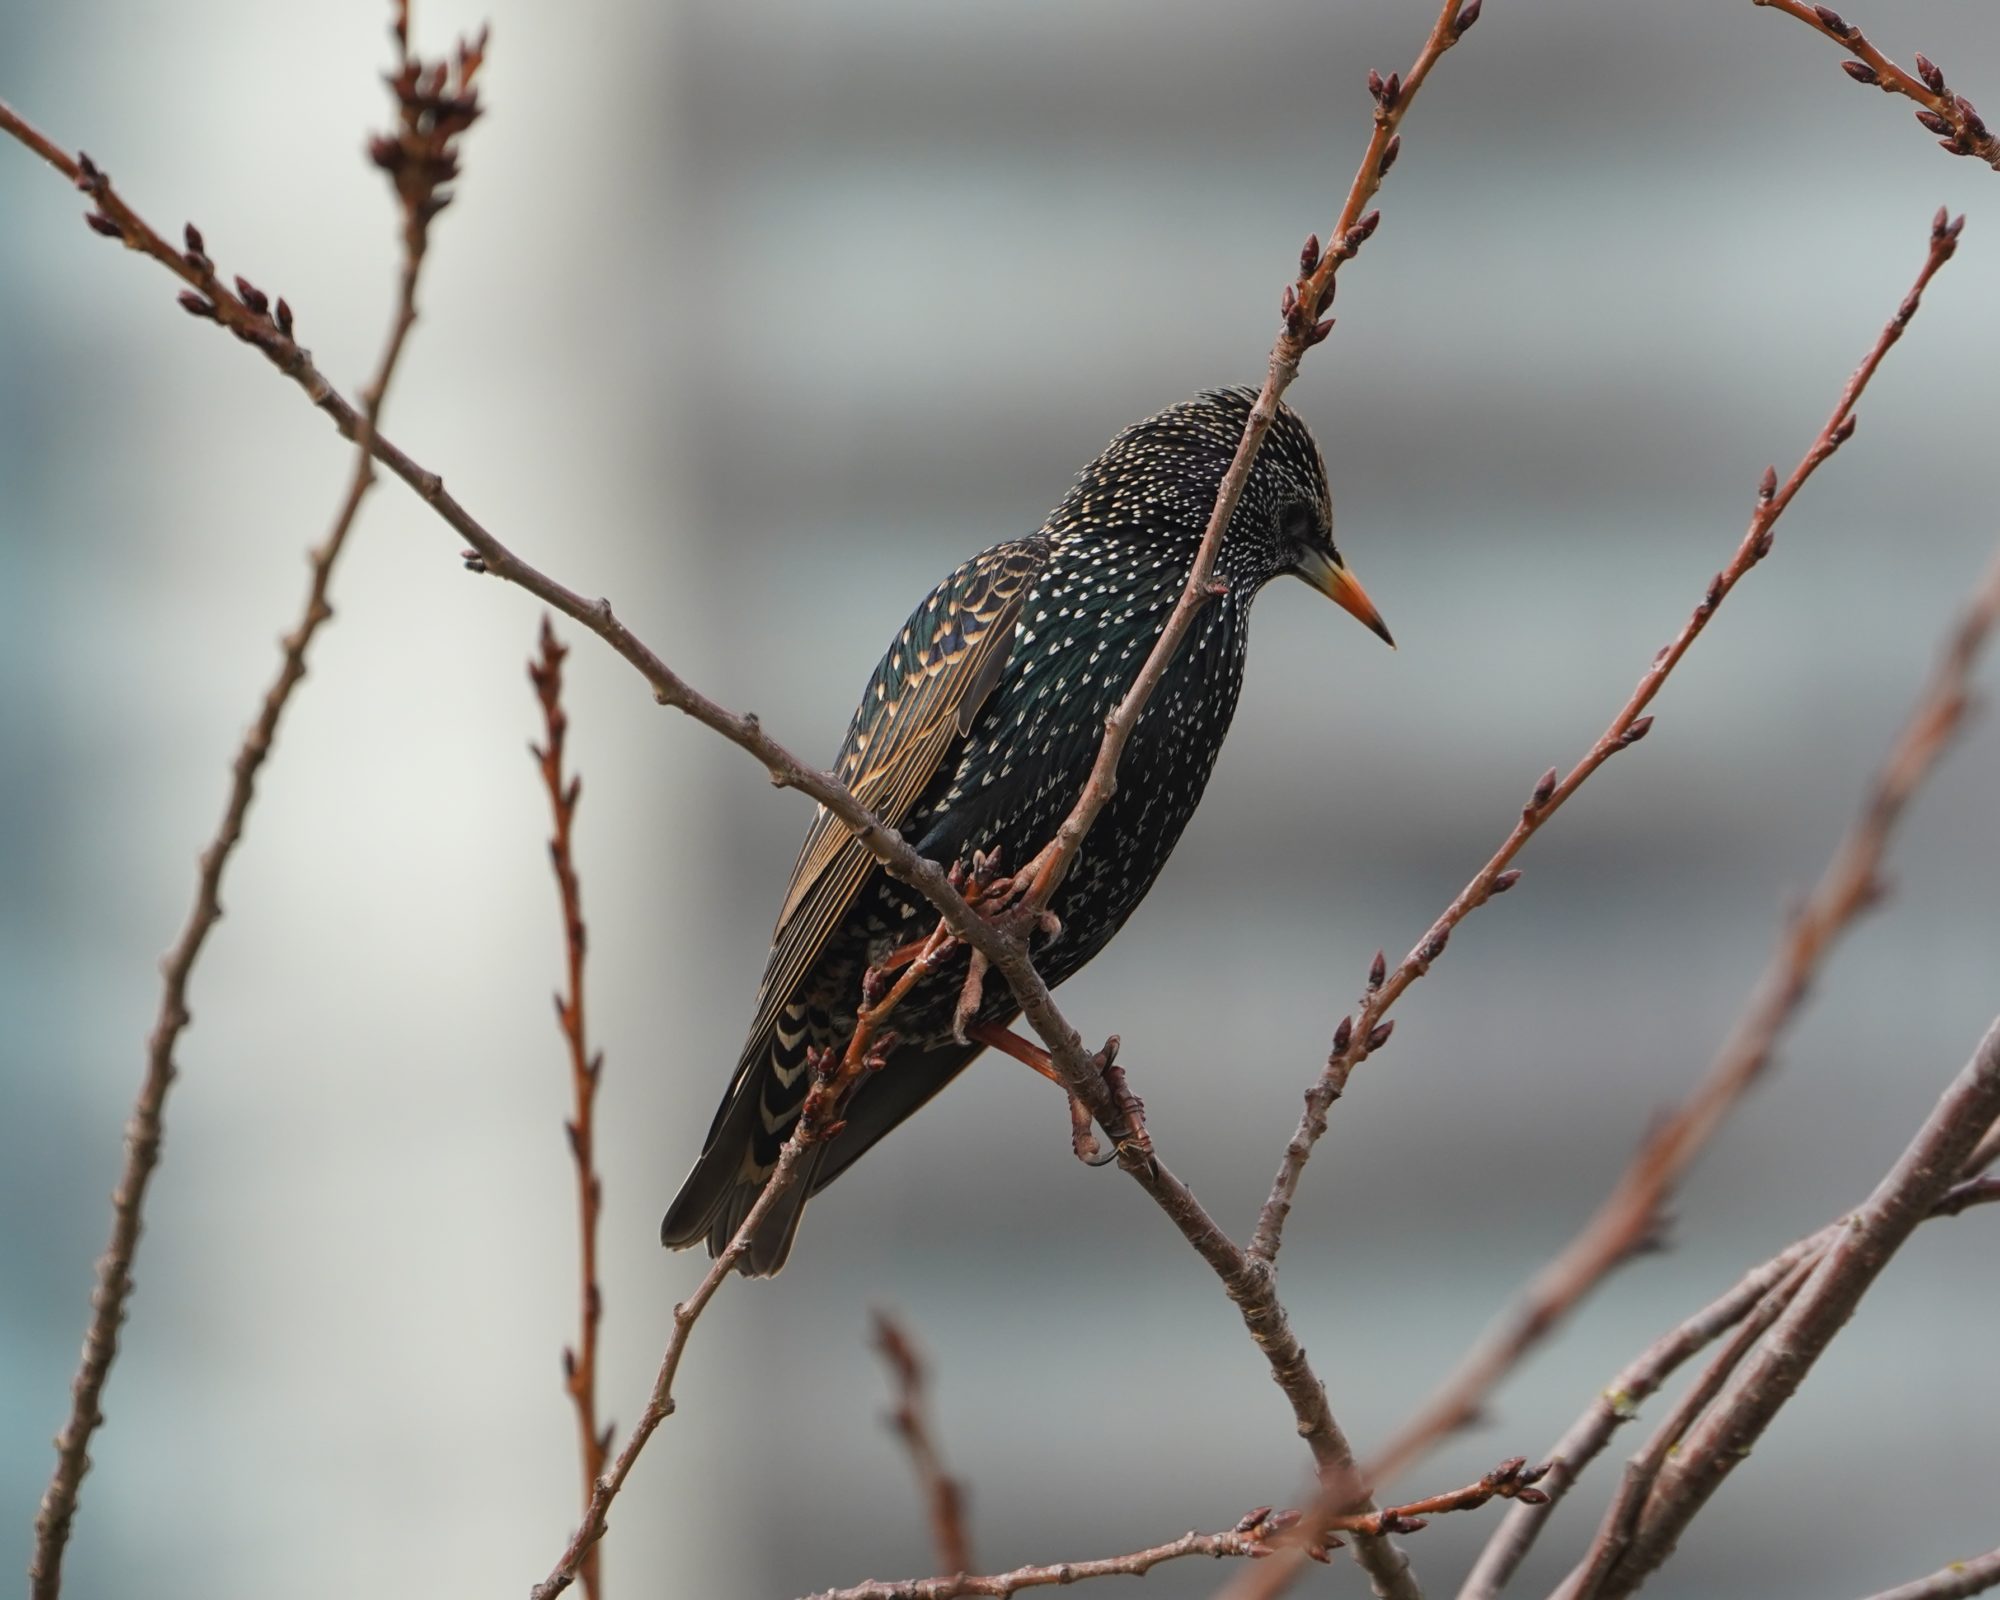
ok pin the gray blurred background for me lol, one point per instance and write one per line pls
(757, 318)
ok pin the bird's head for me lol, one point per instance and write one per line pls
(1159, 478)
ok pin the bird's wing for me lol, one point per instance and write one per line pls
(917, 707)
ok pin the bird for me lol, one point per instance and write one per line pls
(975, 734)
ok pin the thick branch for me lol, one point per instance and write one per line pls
(145, 1129)
(1951, 116)
(1715, 1445)
(1629, 1216)
(1954, 1582)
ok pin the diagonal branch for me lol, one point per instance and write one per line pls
(1365, 1032)
(1862, 1246)
(1630, 1215)
(1952, 117)
(145, 1130)
(1954, 1582)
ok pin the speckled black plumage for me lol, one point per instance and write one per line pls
(976, 732)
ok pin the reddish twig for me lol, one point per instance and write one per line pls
(1719, 1441)
(1233, 1542)
(1359, 1036)
(1309, 1534)
(1952, 117)
(943, 1495)
(660, 1402)
(1954, 1582)
(1303, 304)
(1252, 1537)
(1629, 1216)
(145, 1129)
(585, 1070)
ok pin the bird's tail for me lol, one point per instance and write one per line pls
(749, 1130)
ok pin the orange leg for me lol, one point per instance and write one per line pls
(1081, 1137)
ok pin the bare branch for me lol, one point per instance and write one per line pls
(1951, 116)
(1618, 1402)
(145, 1129)
(1630, 1215)
(1359, 1036)
(1713, 1447)
(585, 1071)
(1954, 1582)
(944, 1498)
(1308, 1534)
(1234, 1542)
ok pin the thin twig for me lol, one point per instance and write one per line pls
(944, 1497)
(1359, 1036)
(585, 1071)
(1232, 1542)
(145, 1129)
(1307, 1534)
(1725, 1435)
(660, 1403)
(1303, 305)
(1851, 883)
(1951, 116)
(1954, 1582)
(1251, 1537)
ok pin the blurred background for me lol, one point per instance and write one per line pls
(757, 318)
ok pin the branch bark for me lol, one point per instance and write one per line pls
(1861, 1247)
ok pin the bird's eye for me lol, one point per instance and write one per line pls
(1301, 524)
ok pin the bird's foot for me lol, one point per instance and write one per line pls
(1131, 1134)
(970, 994)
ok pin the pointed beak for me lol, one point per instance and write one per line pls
(1323, 570)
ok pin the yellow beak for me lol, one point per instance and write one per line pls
(1323, 570)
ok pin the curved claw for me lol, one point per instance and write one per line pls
(1104, 1160)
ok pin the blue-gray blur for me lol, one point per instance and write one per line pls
(756, 318)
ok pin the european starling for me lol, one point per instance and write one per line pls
(975, 734)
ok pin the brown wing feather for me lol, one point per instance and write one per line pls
(920, 702)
